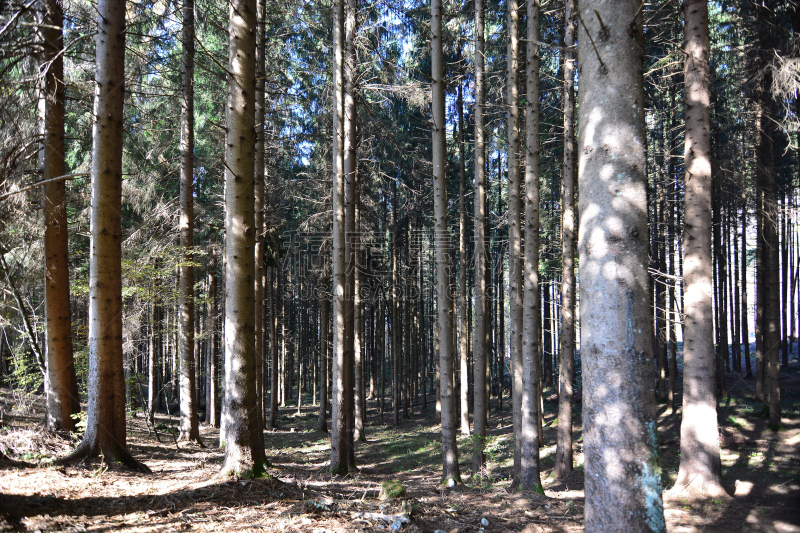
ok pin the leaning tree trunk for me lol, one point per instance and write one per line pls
(61, 383)
(700, 466)
(105, 425)
(243, 455)
(566, 374)
(444, 305)
(479, 349)
(622, 476)
(188, 391)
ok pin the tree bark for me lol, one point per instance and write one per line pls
(463, 336)
(623, 480)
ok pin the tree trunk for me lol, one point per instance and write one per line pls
(61, 383)
(322, 423)
(212, 415)
(105, 425)
(566, 374)
(700, 467)
(243, 454)
(479, 336)
(338, 436)
(450, 473)
(529, 477)
(188, 391)
(623, 480)
(514, 229)
(462, 270)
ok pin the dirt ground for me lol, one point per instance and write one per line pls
(761, 470)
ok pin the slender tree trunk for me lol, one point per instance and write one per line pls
(188, 390)
(258, 211)
(479, 188)
(105, 425)
(212, 414)
(450, 473)
(462, 269)
(566, 374)
(243, 454)
(622, 477)
(338, 435)
(529, 477)
(700, 467)
(514, 230)
(395, 320)
(275, 345)
(745, 313)
(322, 423)
(154, 359)
(61, 383)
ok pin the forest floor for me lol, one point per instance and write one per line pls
(761, 470)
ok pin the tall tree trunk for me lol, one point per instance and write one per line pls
(188, 391)
(566, 374)
(154, 355)
(275, 346)
(61, 383)
(450, 473)
(395, 320)
(105, 425)
(243, 454)
(338, 430)
(623, 480)
(700, 467)
(463, 336)
(529, 477)
(258, 211)
(514, 229)
(479, 343)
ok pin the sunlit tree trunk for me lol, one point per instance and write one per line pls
(529, 475)
(105, 425)
(463, 338)
(479, 343)
(188, 390)
(450, 474)
(700, 467)
(622, 476)
(243, 454)
(514, 229)
(338, 430)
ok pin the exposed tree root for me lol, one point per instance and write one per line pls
(116, 453)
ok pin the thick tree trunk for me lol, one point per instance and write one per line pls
(61, 383)
(479, 343)
(105, 425)
(529, 476)
(700, 467)
(243, 454)
(623, 479)
(444, 304)
(188, 390)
